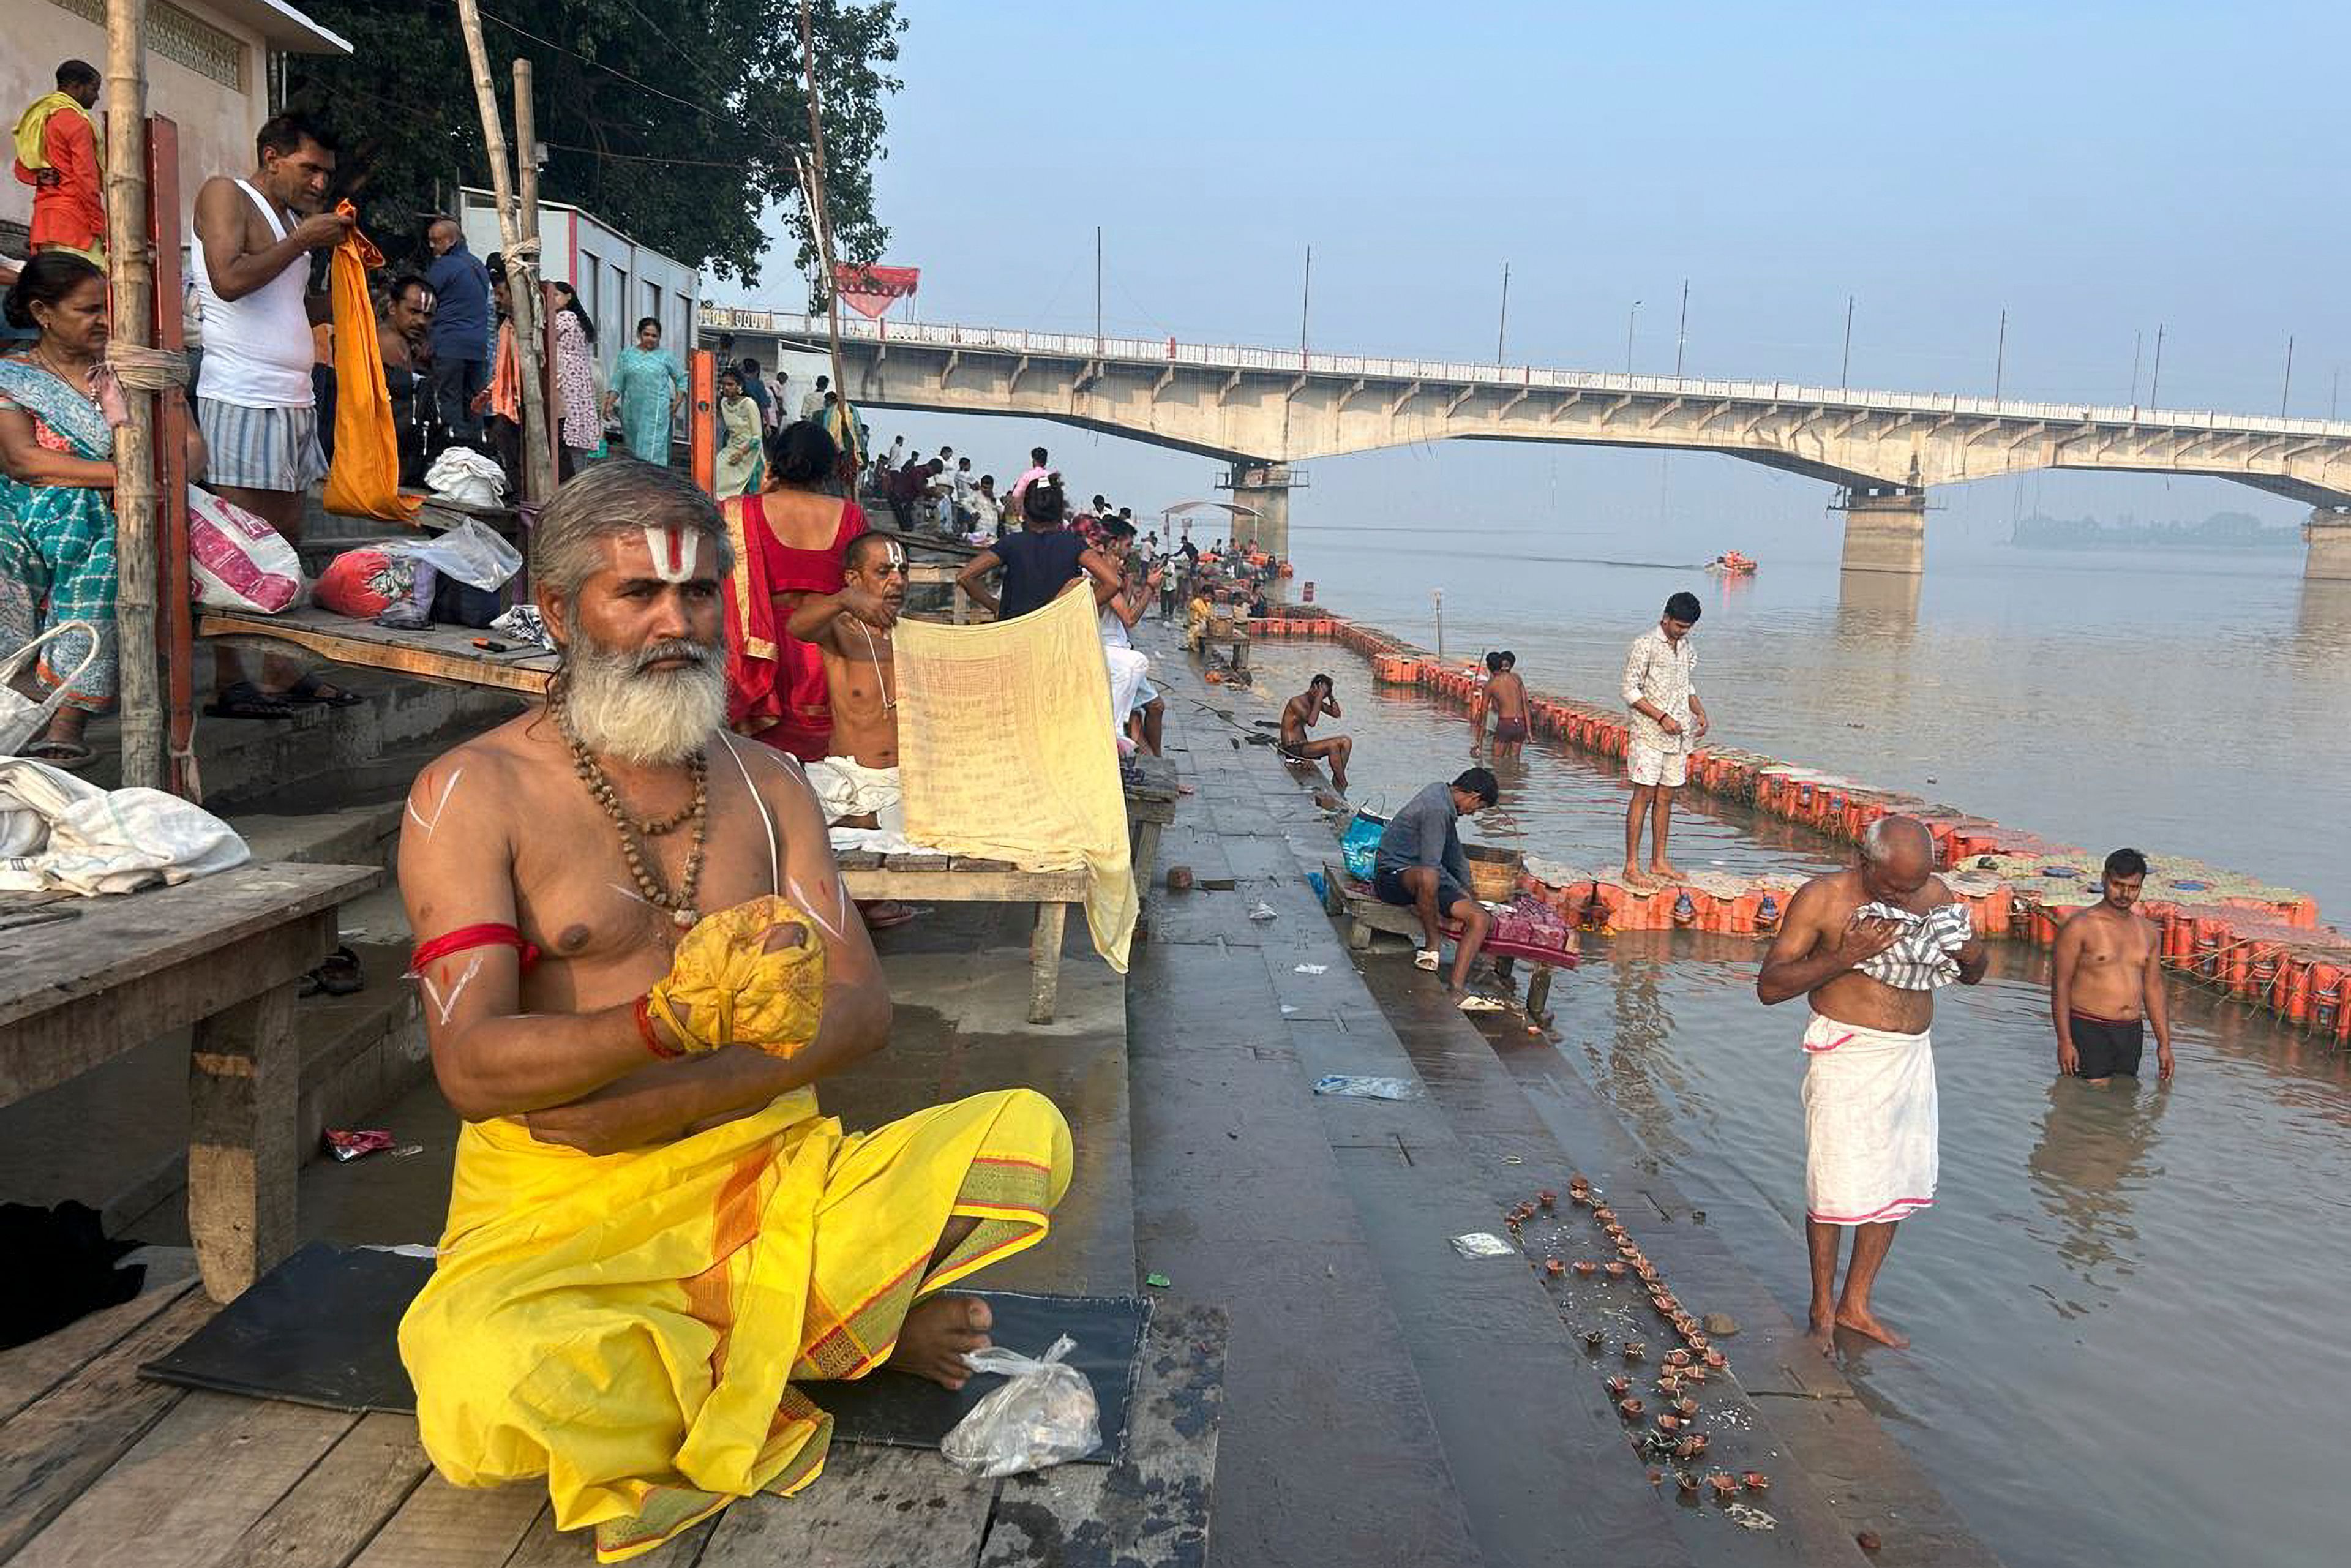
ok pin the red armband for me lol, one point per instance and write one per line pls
(649, 1035)
(490, 934)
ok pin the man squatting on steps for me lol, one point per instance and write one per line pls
(1869, 947)
(659, 1249)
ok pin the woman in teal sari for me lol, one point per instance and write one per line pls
(58, 408)
(648, 387)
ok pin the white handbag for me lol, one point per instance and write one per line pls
(21, 717)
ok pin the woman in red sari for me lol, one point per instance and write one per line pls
(787, 540)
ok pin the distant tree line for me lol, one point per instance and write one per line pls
(2221, 531)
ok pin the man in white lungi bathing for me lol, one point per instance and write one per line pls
(1869, 947)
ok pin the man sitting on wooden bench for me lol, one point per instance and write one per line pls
(637, 961)
(1419, 865)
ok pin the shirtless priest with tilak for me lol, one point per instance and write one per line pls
(637, 962)
(857, 780)
(1868, 946)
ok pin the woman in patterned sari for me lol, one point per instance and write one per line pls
(58, 407)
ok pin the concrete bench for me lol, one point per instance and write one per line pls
(1351, 899)
(966, 879)
(90, 978)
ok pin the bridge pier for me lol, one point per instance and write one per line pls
(1264, 488)
(2327, 535)
(1885, 527)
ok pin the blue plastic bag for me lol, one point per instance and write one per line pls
(1361, 843)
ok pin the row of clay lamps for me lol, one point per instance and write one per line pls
(1674, 1436)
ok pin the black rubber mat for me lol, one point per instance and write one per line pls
(320, 1329)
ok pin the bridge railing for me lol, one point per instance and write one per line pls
(1235, 357)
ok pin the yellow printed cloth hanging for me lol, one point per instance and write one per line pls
(1004, 751)
(363, 481)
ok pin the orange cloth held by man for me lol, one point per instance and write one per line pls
(363, 480)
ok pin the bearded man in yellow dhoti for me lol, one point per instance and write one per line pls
(657, 1247)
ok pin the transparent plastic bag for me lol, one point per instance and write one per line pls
(1044, 1415)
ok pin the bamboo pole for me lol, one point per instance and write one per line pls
(522, 288)
(813, 193)
(131, 279)
(541, 358)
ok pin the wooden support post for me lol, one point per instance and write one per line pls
(1045, 961)
(131, 279)
(178, 641)
(541, 358)
(702, 418)
(244, 1076)
(522, 272)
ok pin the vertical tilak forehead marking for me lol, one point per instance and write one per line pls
(673, 558)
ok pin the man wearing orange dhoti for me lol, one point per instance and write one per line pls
(658, 1249)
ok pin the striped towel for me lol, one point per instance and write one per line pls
(1920, 959)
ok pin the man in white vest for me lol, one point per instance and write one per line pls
(254, 395)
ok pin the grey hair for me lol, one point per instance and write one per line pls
(1878, 840)
(607, 500)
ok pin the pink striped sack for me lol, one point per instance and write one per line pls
(235, 560)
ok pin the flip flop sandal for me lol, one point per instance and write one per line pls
(1474, 1003)
(339, 976)
(876, 920)
(1426, 959)
(68, 756)
(311, 691)
(245, 700)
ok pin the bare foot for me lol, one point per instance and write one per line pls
(1862, 1320)
(1339, 782)
(935, 1335)
(1667, 869)
(1638, 880)
(1821, 1336)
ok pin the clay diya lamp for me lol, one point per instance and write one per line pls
(1697, 1340)
(1605, 1215)
(1635, 1350)
(1716, 1360)
(1619, 1387)
(1669, 1424)
(1615, 1232)
(1629, 1252)
(1669, 1381)
(1555, 1267)
(1688, 1327)
(1686, 1407)
(1756, 1480)
(1690, 1447)
(1547, 1198)
(1687, 1482)
(1629, 1408)
(1694, 1374)
(1585, 1268)
(1647, 1270)
(1615, 1270)
(1725, 1485)
(1677, 1358)
(1657, 1478)
(1593, 1339)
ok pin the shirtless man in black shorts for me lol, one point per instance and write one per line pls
(1504, 696)
(2108, 984)
(1299, 714)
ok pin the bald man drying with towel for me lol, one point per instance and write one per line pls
(1869, 947)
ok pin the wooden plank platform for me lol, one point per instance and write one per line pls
(101, 1468)
(436, 654)
(1365, 911)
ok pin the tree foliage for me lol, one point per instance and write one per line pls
(679, 122)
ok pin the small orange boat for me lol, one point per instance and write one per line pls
(1730, 563)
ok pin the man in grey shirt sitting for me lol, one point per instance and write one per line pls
(1420, 866)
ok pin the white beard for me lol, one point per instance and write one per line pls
(647, 717)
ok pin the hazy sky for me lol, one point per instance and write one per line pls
(2095, 170)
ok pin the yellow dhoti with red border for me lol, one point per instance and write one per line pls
(634, 1327)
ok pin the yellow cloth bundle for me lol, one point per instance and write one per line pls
(1004, 751)
(725, 987)
(33, 126)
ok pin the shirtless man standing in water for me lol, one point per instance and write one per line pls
(1299, 714)
(1505, 697)
(1870, 1131)
(2109, 982)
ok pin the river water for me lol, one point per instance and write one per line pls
(2190, 704)
(2124, 1303)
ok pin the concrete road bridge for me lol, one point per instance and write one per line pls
(1263, 410)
